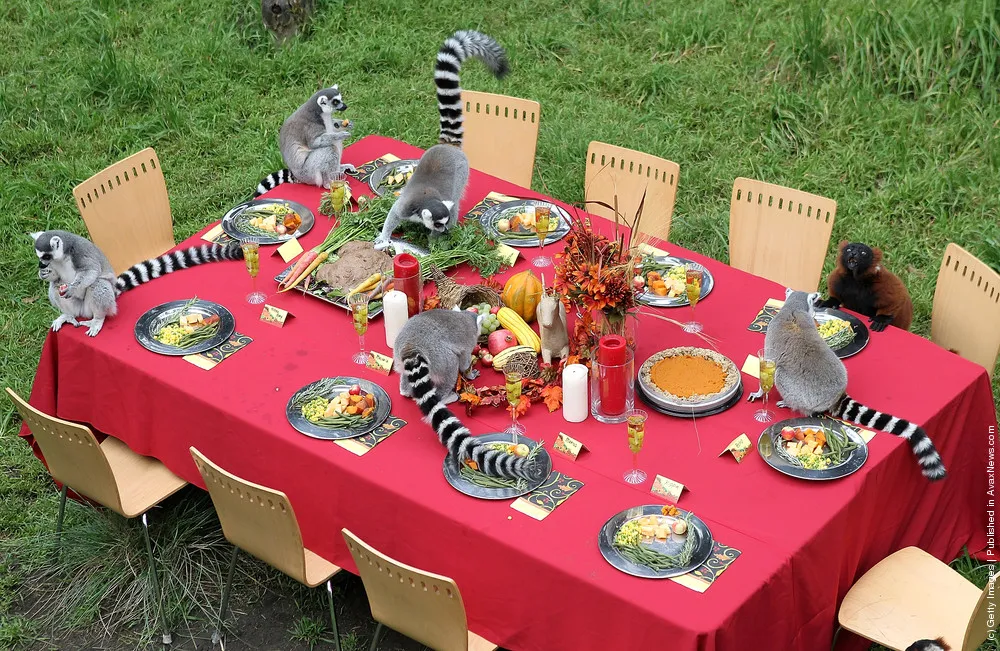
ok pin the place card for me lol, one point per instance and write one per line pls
(646, 249)
(363, 444)
(556, 489)
(364, 172)
(752, 366)
(568, 446)
(509, 254)
(211, 358)
(379, 363)
(866, 434)
(703, 576)
(289, 249)
(275, 315)
(739, 448)
(213, 233)
(668, 489)
(765, 315)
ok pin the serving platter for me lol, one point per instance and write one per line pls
(861, 333)
(150, 323)
(655, 396)
(376, 182)
(383, 406)
(703, 542)
(509, 209)
(461, 484)
(707, 284)
(681, 413)
(235, 225)
(770, 446)
(322, 291)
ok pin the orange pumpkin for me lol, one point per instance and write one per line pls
(521, 293)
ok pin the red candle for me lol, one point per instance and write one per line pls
(406, 278)
(612, 352)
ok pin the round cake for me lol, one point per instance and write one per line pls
(689, 378)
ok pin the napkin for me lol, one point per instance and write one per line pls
(364, 172)
(765, 315)
(363, 444)
(490, 200)
(700, 578)
(556, 489)
(211, 358)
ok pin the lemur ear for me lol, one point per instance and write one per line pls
(448, 204)
(426, 214)
(788, 292)
(876, 254)
(840, 247)
(34, 236)
(813, 297)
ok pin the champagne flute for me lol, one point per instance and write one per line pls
(693, 276)
(359, 312)
(513, 380)
(636, 422)
(251, 256)
(542, 230)
(767, 367)
(340, 192)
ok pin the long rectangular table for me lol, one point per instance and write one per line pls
(544, 585)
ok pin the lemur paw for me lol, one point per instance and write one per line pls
(75, 291)
(781, 404)
(470, 373)
(755, 395)
(93, 326)
(382, 245)
(450, 398)
(63, 319)
(881, 322)
(348, 168)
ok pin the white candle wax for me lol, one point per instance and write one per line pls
(574, 379)
(395, 314)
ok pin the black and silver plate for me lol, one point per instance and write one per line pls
(690, 413)
(378, 176)
(861, 334)
(233, 221)
(383, 405)
(770, 440)
(696, 527)
(509, 209)
(150, 323)
(707, 285)
(462, 485)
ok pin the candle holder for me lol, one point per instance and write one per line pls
(407, 279)
(612, 390)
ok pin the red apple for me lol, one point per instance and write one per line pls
(475, 350)
(495, 309)
(788, 433)
(501, 340)
(486, 359)
(472, 309)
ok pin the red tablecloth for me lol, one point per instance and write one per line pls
(543, 585)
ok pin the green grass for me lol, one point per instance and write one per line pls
(894, 112)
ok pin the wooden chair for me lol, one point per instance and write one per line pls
(423, 606)
(612, 170)
(501, 134)
(912, 596)
(966, 313)
(260, 521)
(108, 472)
(780, 233)
(127, 210)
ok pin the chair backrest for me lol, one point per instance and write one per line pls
(127, 210)
(73, 455)
(612, 170)
(257, 519)
(780, 233)
(983, 618)
(501, 134)
(966, 313)
(423, 606)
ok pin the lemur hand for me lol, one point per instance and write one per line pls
(881, 321)
(75, 291)
(382, 244)
(755, 395)
(470, 373)
(347, 167)
(830, 302)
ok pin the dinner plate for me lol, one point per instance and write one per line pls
(463, 485)
(696, 527)
(681, 413)
(378, 176)
(383, 405)
(234, 226)
(150, 323)
(707, 285)
(861, 334)
(770, 441)
(508, 209)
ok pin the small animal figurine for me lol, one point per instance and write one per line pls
(861, 283)
(551, 315)
(286, 18)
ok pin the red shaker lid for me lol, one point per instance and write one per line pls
(612, 350)
(404, 265)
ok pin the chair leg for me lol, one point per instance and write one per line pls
(378, 633)
(167, 637)
(219, 628)
(62, 513)
(333, 614)
(836, 634)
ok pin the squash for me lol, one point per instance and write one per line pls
(521, 293)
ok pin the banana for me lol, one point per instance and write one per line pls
(504, 355)
(512, 321)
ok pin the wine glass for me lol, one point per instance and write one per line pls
(513, 380)
(767, 367)
(693, 275)
(251, 256)
(340, 193)
(636, 422)
(359, 312)
(542, 230)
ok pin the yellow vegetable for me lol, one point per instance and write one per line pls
(512, 321)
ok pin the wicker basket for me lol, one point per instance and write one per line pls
(453, 293)
(524, 363)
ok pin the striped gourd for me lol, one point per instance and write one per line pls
(506, 354)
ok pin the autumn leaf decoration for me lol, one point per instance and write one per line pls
(552, 397)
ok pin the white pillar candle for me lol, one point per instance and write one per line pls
(394, 313)
(574, 379)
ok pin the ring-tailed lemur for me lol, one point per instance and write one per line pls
(432, 194)
(312, 143)
(813, 380)
(430, 351)
(82, 284)
(929, 645)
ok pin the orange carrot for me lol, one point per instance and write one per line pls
(296, 271)
(317, 261)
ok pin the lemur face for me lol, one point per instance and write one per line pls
(436, 215)
(330, 100)
(857, 257)
(50, 250)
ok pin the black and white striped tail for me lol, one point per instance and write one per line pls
(927, 455)
(453, 435)
(457, 48)
(143, 272)
(929, 645)
(273, 180)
